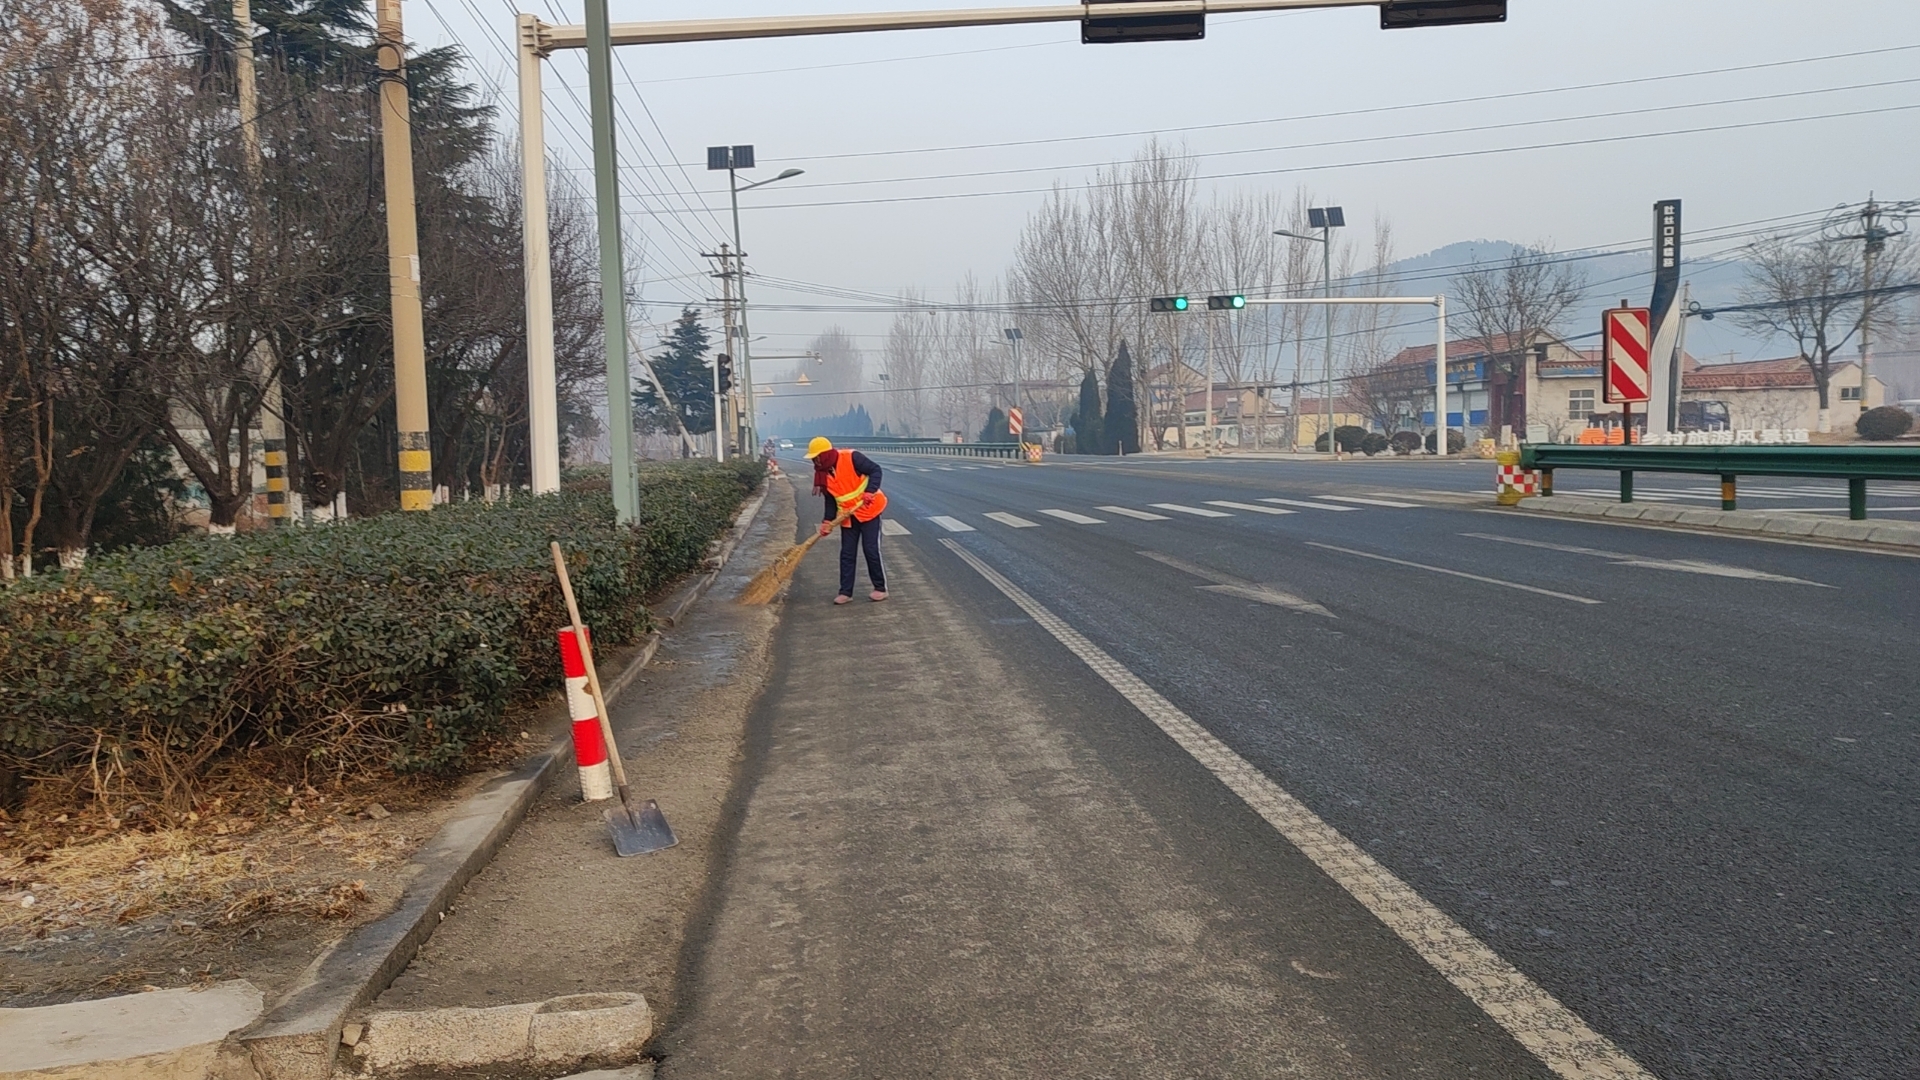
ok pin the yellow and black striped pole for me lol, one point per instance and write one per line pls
(403, 263)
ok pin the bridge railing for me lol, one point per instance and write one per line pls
(1854, 464)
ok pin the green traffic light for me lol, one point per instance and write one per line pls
(1238, 301)
(1179, 303)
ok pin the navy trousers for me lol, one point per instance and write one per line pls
(856, 536)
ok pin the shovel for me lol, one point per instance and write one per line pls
(636, 830)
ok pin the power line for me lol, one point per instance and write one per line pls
(1367, 111)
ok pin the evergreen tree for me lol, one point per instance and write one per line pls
(1120, 428)
(1086, 422)
(681, 365)
(996, 429)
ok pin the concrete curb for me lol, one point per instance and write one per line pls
(1899, 534)
(563, 1032)
(299, 1036)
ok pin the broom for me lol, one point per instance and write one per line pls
(766, 584)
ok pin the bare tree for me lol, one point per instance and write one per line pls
(1512, 304)
(1809, 291)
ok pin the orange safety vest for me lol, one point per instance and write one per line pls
(848, 488)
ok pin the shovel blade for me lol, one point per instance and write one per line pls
(639, 830)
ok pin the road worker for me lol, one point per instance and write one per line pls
(850, 482)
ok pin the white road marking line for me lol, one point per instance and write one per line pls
(1077, 519)
(1253, 507)
(890, 527)
(1837, 509)
(1535, 1018)
(1246, 590)
(1194, 510)
(1458, 573)
(1313, 505)
(1128, 511)
(1684, 566)
(943, 468)
(1371, 502)
(951, 524)
(1012, 520)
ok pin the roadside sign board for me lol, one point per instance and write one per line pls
(1016, 421)
(1628, 334)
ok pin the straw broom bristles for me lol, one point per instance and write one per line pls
(766, 584)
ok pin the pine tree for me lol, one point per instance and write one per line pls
(1086, 423)
(996, 429)
(681, 365)
(1120, 428)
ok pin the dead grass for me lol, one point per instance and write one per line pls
(265, 853)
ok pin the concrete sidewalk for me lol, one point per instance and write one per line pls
(960, 855)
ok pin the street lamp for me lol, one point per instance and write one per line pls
(1327, 219)
(733, 159)
(1013, 335)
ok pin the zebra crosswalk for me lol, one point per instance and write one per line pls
(1210, 508)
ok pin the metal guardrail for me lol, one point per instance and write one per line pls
(1854, 464)
(1010, 451)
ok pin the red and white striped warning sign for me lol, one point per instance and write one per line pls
(1016, 421)
(1628, 333)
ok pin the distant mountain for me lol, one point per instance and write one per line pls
(1610, 278)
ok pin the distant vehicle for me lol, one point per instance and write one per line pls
(1704, 416)
(786, 444)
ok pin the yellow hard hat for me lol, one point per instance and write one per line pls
(818, 446)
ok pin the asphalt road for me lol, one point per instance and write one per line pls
(1668, 776)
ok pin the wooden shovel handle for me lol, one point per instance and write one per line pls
(593, 672)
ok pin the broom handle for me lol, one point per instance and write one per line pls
(593, 673)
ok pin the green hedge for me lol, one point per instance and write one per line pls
(395, 641)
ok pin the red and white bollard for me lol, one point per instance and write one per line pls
(589, 748)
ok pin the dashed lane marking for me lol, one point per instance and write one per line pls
(1535, 1018)
(1194, 510)
(1458, 574)
(1396, 504)
(1128, 511)
(1645, 562)
(1253, 507)
(951, 524)
(890, 527)
(1013, 520)
(1312, 505)
(1077, 519)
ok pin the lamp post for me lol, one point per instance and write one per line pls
(1327, 219)
(733, 159)
(1013, 335)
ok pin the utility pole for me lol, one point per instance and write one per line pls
(273, 424)
(721, 399)
(543, 406)
(1326, 292)
(613, 274)
(403, 264)
(1875, 239)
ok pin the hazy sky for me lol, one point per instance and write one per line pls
(883, 123)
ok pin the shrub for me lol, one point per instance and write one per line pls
(395, 641)
(1885, 422)
(1405, 442)
(1373, 443)
(1456, 441)
(1350, 437)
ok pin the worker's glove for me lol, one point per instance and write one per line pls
(866, 500)
(826, 527)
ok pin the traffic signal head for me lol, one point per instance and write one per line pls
(1231, 302)
(726, 371)
(1167, 303)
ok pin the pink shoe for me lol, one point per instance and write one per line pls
(843, 598)
(878, 595)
